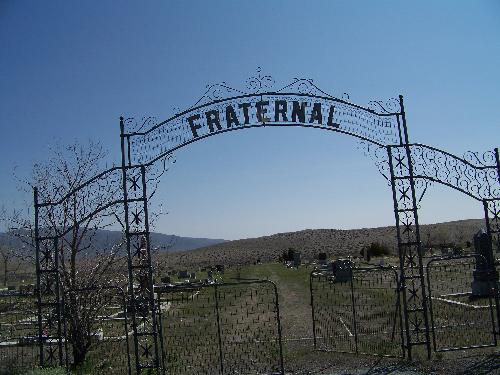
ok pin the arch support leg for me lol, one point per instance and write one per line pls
(412, 280)
(140, 273)
(492, 220)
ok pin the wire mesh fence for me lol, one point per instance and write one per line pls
(358, 313)
(461, 317)
(231, 328)
(19, 337)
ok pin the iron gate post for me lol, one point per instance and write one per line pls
(492, 207)
(353, 303)
(38, 289)
(219, 333)
(143, 311)
(409, 244)
(278, 320)
(49, 303)
(312, 309)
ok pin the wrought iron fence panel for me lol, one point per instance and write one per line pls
(458, 319)
(188, 330)
(249, 324)
(497, 297)
(332, 314)
(377, 311)
(231, 328)
(19, 349)
(360, 314)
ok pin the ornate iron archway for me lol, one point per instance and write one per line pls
(382, 131)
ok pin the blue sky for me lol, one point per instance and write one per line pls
(69, 69)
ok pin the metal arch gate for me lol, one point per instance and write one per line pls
(381, 129)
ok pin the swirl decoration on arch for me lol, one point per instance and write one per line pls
(378, 155)
(475, 174)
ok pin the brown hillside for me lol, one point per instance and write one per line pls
(310, 242)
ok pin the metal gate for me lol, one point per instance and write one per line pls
(359, 314)
(18, 332)
(458, 319)
(231, 328)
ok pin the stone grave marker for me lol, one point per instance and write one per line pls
(485, 275)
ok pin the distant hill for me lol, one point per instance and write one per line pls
(190, 252)
(104, 239)
(334, 242)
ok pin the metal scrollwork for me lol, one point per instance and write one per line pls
(156, 171)
(259, 82)
(436, 165)
(304, 86)
(486, 159)
(217, 91)
(133, 125)
(421, 186)
(389, 106)
(379, 156)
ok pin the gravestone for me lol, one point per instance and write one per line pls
(323, 259)
(165, 280)
(183, 274)
(342, 270)
(220, 268)
(296, 259)
(366, 254)
(485, 275)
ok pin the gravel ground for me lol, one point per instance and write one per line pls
(486, 361)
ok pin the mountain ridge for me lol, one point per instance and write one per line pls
(103, 239)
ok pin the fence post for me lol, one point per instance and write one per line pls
(221, 357)
(353, 302)
(125, 313)
(429, 287)
(312, 309)
(160, 332)
(282, 367)
(38, 281)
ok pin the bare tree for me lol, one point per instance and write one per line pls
(78, 205)
(84, 206)
(77, 200)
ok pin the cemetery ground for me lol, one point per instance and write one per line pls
(109, 356)
(300, 358)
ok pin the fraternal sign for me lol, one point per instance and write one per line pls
(301, 103)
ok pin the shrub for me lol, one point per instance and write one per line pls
(377, 250)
